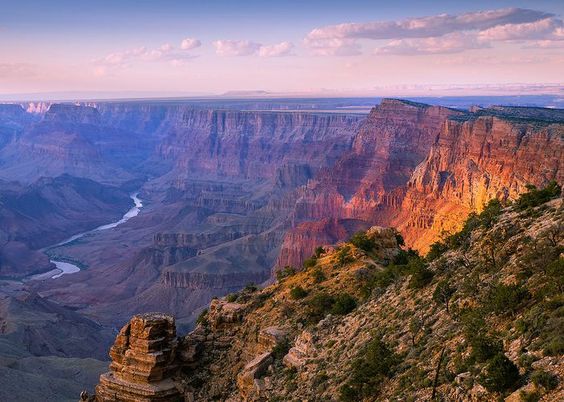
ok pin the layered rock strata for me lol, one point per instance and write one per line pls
(143, 362)
(423, 169)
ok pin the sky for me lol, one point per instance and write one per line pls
(354, 47)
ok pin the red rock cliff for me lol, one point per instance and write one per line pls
(472, 162)
(423, 169)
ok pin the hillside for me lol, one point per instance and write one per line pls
(477, 319)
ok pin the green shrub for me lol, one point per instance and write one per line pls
(281, 349)
(443, 293)
(310, 262)
(555, 271)
(202, 318)
(232, 297)
(535, 197)
(532, 396)
(484, 348)
(404, 256)
(500, 374)
(343, 256)
(319, 251)
(344, 304)
(400, 240)
(250, 287)
(362, 241)
(375, 363)
(436, 250)
(285, 272)
(504, 299)
(318, 306)
(298, 293)
(318, 276)
(554, 346)
(421, 276)
(544, 379)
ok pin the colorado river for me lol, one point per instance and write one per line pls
(65, 267)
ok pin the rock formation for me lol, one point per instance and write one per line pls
(489, 155)
(143, 362)
(423, 169)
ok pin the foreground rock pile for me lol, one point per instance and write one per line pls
(143, 362)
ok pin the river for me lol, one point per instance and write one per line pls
(65, 267)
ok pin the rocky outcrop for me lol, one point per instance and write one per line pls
(300, 241)
(69, 113)
(202, 280)
(249, 381)
(474, 160)
(143, 362)
(302, 350)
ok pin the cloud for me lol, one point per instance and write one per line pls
(452, 43)
(543, 29)
(277, 50)
(333, 47)
(164, 53)
(190, 43)
(423, 27)
(250, 48)
(236, 47)
(442, 33)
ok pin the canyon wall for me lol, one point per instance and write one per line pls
(472, 161)
(424, 169)
(365, 183)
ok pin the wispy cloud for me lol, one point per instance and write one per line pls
(236, 47)
(166, 52)
(547, 29)
(248, 48)
(436, 25)
(443, 33)
(277, 50)
(333, 46)
(452, 43)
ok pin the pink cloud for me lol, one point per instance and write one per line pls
(277, 50)
(453, 43)
(190, 43)
(442, 33)
(166, 52)
(422, 27)
(250, 48)
(236, 47)
(333, 47)
(542, 29)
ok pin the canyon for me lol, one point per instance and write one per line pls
(234, 191)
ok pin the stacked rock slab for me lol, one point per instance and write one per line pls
(143, 362)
